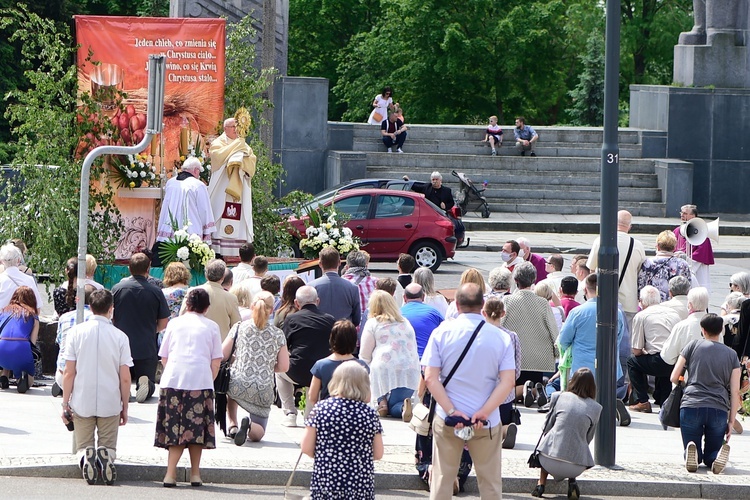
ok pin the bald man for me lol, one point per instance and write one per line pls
(632, 253)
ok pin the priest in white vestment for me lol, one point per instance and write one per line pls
(232, 167)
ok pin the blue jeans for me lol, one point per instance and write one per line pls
(396, 400)
(696, 423)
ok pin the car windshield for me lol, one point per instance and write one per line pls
(326, 196)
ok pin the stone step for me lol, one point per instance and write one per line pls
(568, 193)
(550, 177)
(571, 135)
(542, 148)
(584, 207)
(424, 164)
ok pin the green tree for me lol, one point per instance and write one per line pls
(650, 29)
(588, 96)
(43, 209)
(319, 31)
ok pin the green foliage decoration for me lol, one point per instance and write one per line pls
(42, 194)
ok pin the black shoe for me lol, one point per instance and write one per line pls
(107, 467)
(541, 399)
(23, 383)
(241, 436)
(532, 154)
(510, 437)
(4, 382)
(538, 491)
(56, 390)
(622, 413)
(573, 492)
(528, 396)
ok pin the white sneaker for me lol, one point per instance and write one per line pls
(399, 150)
(390, 150)
(494, 152)
(721, 460)
(141, 394)
(289, 420)
(691, 457)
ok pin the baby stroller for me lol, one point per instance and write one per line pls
(470, 198)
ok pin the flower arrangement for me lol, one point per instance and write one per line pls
(133, 171)
(328, 233)
(187, 248)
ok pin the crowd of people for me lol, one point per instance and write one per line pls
(348, 348)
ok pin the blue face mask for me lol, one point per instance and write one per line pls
(505, 256)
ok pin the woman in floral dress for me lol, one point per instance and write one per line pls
(389, 346)
(191, 354)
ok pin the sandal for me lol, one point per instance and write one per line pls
(232, 432)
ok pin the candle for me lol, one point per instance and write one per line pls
(183, 141)
(154, 144)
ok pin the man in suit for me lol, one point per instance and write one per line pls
(307, 332)
(224, 308)
(338, 297)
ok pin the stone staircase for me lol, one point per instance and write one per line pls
(563, 178)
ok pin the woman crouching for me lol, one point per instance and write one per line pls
(569, 428)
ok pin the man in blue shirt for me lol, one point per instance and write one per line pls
(579, 333)
(525, 137)
(422, 317)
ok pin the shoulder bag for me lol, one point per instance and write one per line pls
(221, 383)
(533, 460)
(422, 416)
(670, 410)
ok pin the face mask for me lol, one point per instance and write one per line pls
(521, 254)
(505, 256)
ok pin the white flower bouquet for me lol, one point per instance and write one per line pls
(331, 233)
(134, 171)
(189, 249)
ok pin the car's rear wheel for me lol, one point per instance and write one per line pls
(289, 251)
(427, 254)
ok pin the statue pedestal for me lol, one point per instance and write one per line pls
(721, 64)
(708, 127)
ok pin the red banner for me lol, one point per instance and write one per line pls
(194, 92)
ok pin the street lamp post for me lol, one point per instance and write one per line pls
(606, 344)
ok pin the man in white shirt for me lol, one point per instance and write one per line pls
(481, 382)
(12, 278)
(96, 387)
(651, 328)
(679, 286)
(688, 329)
(632, 252)
(244, 269)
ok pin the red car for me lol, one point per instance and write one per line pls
(390, 222)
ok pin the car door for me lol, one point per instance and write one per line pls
(357, 209)
(394, 221)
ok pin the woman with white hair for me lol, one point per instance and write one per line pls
(500, 281)
(424, 277)
(12, 277)
(738, 283)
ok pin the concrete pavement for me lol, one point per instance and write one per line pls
(34, 442)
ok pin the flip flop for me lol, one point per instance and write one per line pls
(232, 432)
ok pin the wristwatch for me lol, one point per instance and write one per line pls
(451, 412)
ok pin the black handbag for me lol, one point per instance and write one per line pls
(515, 415)
(221, 382)
(533, 460)
(670, 409)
